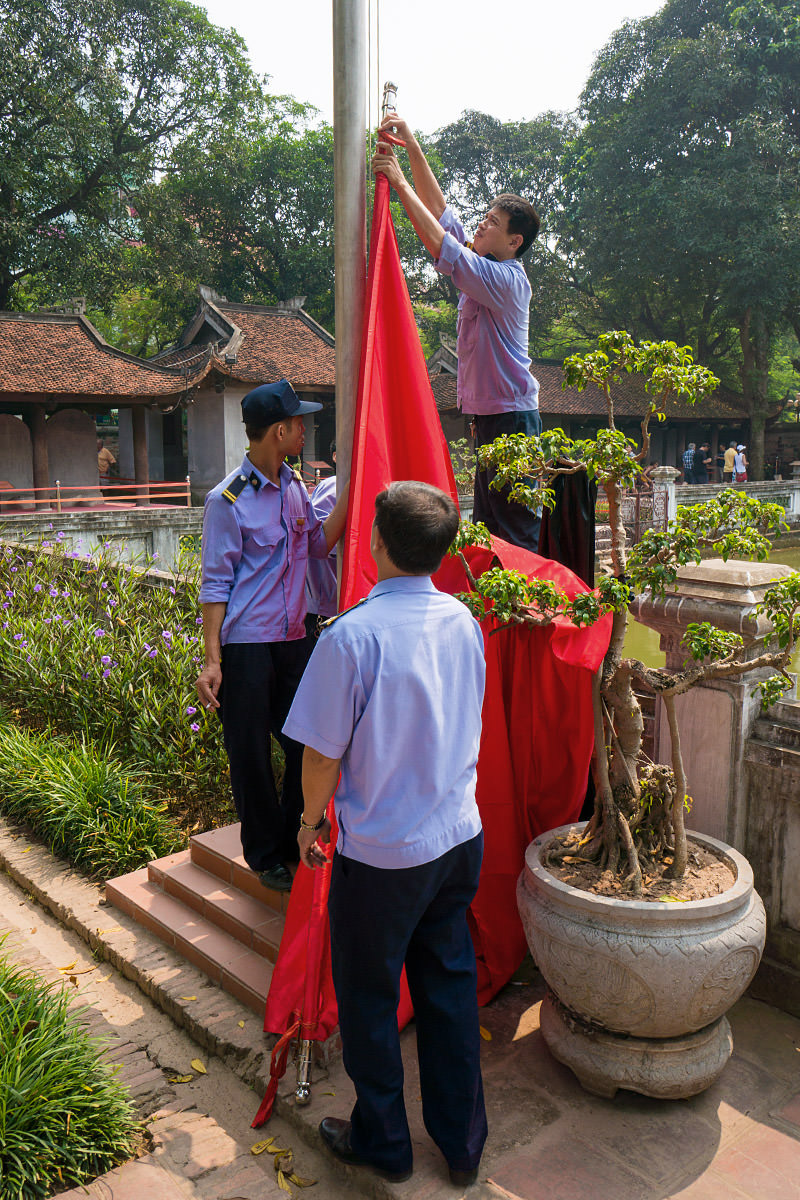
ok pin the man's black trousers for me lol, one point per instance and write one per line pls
(381, 919)
(513, 522)
(259, 681)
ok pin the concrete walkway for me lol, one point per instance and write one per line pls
(548, 1139)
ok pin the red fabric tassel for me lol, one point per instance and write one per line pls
(277, 1070)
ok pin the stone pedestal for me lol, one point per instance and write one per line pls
(664, 477)
(717, 717)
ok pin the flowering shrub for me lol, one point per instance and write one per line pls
(95, 647)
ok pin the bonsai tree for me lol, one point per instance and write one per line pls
(638, 820)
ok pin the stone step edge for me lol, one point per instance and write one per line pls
(209, 910)
(148, 905)
(244, 1050)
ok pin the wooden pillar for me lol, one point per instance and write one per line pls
(41, 461)
(141, 465)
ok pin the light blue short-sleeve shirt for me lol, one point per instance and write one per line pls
(395, 688)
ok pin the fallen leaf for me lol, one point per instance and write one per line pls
(298, 1179)
(260, 1147)
(71, 966)
(181, 1078)
(282, 1184)
(195, 1064)
(84, 971)
(188, 997)
(327, 1093)
(33, 931)
(276, 1149)
(241, 1024)
(284, 1162)
(28, 850)
(487, 1037)
(113, 929)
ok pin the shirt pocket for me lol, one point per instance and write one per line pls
(298, 535)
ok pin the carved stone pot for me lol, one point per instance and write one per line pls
(653, 979)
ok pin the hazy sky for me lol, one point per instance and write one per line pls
(505, 57)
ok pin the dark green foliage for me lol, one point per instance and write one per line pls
(83, 803)
(64, 1116)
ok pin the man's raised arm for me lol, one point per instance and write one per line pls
(425, 182)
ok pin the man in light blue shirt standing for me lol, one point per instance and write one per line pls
(406, 671)
(258, 530)
(495, 384)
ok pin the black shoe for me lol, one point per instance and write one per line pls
(277, 878)
(463, 1178)
(335, 1134)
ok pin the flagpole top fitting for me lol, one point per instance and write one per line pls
(389, 102)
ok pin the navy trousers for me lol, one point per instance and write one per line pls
(513, 522)
(259, 681)
(381, 919)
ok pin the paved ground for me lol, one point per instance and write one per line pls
(548, 1139)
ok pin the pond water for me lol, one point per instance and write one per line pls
(642, 642)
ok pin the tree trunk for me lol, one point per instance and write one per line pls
(755, 337)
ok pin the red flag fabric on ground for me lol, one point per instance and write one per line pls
(537, 723)
(536, 745)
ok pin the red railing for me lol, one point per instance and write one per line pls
(122, 495)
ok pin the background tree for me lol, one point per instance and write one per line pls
(682, 213)
(94, 97)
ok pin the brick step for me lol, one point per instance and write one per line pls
(242, 971)
(220, 853)
(762, 753)
(257, 924)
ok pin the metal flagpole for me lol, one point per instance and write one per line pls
(349, 210)
(350, 265)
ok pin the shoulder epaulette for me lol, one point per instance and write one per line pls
(331, 620)
(235, 488)
(297, 474)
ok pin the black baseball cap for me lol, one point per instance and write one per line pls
(271, 402)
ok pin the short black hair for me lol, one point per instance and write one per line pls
(522, 218)
(255, 433)
(332, 450)
(417, 523)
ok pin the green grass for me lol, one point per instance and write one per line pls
(83, 803)
(64, 1116)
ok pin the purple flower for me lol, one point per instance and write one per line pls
(166, 635)
(5, 604)
(112, 602)
(195, 728)
(47, 621)
(57, 617)
(53, 592)
(14, 569)
(28, 564)
(9, 593)
(60, 534)
(65, 594)
(172, 591)
(17, 637)
(199, 621)
(105, 659)
(104, 585)
(106, 673)
(152, 653)
(190, 711)
(99, 633)
(37, 587)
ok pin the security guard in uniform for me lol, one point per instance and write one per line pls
(259, 529)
